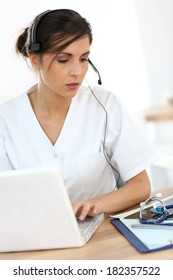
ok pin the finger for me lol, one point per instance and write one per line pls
(84, 211)
(93, 211)
(76, 205)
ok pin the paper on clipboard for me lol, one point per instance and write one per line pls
(152, 238)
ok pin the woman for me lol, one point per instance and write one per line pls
(84, 131)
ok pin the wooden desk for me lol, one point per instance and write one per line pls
(159, 113)
(106, 244)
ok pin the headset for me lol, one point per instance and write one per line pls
(36, 46)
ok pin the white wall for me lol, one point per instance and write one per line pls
(155, 21)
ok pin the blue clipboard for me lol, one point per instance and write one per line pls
(134, 240)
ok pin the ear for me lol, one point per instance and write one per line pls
(35, 60)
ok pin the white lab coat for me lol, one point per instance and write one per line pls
(78, 151)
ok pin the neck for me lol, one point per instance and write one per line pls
(49, 104)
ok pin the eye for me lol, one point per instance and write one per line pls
(62, 58)
(83, 59)
(62, 61)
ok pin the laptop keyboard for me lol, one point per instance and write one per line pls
(85, 225)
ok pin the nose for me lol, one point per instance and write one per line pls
(75, 69)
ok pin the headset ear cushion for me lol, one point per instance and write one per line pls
(35, 47)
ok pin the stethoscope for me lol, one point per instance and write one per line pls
(157, 214)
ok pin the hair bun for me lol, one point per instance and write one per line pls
(21, 44)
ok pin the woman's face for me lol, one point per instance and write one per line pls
(64, 74)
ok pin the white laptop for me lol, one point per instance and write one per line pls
(36, 213)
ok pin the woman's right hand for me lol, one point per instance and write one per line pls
(84, 208)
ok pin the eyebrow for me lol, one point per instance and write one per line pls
(70, 54)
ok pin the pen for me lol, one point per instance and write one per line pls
(163, 226)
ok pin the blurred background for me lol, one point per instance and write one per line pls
(132, 49)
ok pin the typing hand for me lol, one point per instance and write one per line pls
(85, 208)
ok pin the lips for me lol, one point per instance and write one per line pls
(73, 85)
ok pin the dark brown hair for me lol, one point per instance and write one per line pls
(55, 31)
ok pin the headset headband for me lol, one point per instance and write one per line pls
(34, 45)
